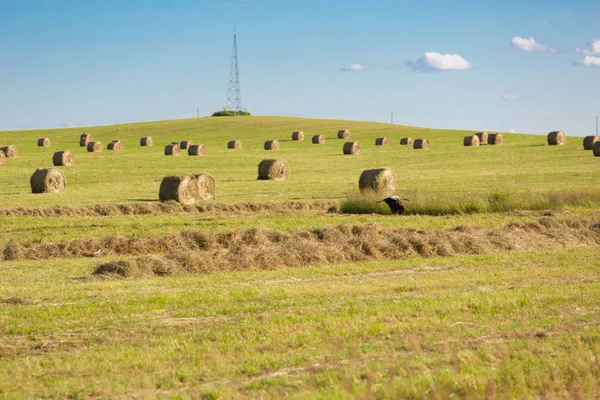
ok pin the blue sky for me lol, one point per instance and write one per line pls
(524, 65)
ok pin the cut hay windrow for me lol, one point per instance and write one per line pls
(234, 144)
(381, 141)
(146, 141)
(471, 141)
(495, 139)
(271, 145)
(172, 150)
(63, 158)
(381, 181)
(352, 148)
(94, 147)
(588, 142)
(406, 141)
(299, 135)
(43, 142)
(557, 138)
(48, 180)
(84, 139)
(116, 144)
(272, 169)
(343, 134)
(9, 151)
(182, 189)
(196, 150)
(2, 158)
(185, 144)
(421, 144)
(206, 186)
(318, 139)
(483, 138)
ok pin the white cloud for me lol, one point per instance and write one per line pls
(430, 62)
(509, 97)
(589, 61)
(352, 67)
(530, 44)
(593, 48)
(512, 130)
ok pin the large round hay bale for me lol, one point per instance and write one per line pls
(272, 169)
(48, 180)
(596, 149)
(44, 142)
(185, 144)
(557, 138)
(471, 141)
(94, 147)
(206, 186)
(483, 137)
(196, 150)
(9, 151)
(64, 158)
(115, 145)
(343, 134)
(234, 144)
(380, 181)
(271, 145)
(298, 135)
(318, 139)
(183, 189)
(381, 141)
(84, 139)
(146, 141)
(421, 144)
(2, 158)
(588, 142)
(172, 150)
(496, 139)
(352, 148)
(406, 141)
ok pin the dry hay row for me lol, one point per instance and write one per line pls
(101, 210)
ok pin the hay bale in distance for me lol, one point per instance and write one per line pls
(185, 144)
(381, 181)
(182, 189)
(343, 134)
(557, 138)
(318, 139)
(596, 149)
(94, 147)
(48, 180)
(2, 158)
(172, 150)
(589, 141)
(146, 141)
(298, 135)
(471, 141)
(421, 144)
(272, 169)
(64, 158)
(115, 145)
(406, 141)
(44, 142)
(352, 148)
(9, 151)
(234, 144)
(196, 150)
(206, 186)
(271, 145)
(496, 139)
(483, 137)
(84, 139)
(381, 141)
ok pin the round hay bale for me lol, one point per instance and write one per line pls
(182, 189)
(2, 158)
(206, 186)
(343, 134)
(48, 180)
(84, 139)
(272, 169)
(298, 135)
(381, 141)
(588, 142)
(185, 144)
(596, 149)
(318, 139)
(271, 145)
(557, 138)
(483, 137)
(44, 142)
(94, 147)
(471, 141)
(406, 141)
(421, 144)
(146, 141)
(196, 150)
(115, 145)
(496, 139)
(352, 148)
(64, 158)
(234, 144)
(381, 181)
(172, 150)
(9, 151)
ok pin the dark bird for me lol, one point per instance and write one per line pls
(395, 204)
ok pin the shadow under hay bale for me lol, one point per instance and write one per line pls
(196, 150)
(471, 141)
(271, 145)
(234, 144)
(63, 158)
(206, 186)
(381, 181)
(406, 141)
(185, 144)
(272, 169)
(115, 145)
(421, 144)
(381, 141)
(182, 189)
(9, 151)
(557, 138)
(352, 148)
(298, 135)
(343, 134)
(84, 139)
(496, 139)
(483, 137)
(172, 150)
(44, 142)
(318, 139)
(146, 141)
(94, 147)
(2, 158)
(589, 141)
(596, 149)
(48, 180)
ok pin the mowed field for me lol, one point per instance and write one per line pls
(487, 288)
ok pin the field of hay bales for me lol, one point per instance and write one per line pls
(302, 287)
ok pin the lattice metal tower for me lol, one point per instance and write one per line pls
(234, 98)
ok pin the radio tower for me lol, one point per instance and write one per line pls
(234, 98)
